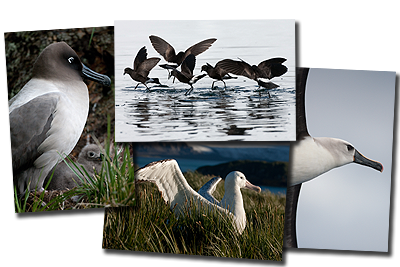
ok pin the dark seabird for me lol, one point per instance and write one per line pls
(48, 114)
(141, 68)
(186, 73)
(266, 69)
(169, 54)
(217, 73)
(266, 85)
(311, 157)
(62, 178)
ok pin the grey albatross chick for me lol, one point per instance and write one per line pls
(168, 52)
(311, 157)
(186, 73)
(63, 177)
(142, 67)
(217, 73)
(48, 114)
(176, 191)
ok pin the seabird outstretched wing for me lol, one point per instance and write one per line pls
(301, 123)
(173, 186)
(208, 189)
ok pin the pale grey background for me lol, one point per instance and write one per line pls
(347, 208)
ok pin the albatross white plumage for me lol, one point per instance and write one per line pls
(176, 191)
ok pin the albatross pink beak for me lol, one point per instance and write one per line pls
(252, 187)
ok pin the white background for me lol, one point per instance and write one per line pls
(338, 32)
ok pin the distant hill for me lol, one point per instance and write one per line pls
(260, 173)
(224, 152)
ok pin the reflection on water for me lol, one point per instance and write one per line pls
(240, 112)
(233, 114)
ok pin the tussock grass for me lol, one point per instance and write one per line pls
(151, 226)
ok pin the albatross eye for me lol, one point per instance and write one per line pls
(350, 148)
(71, 60)
(91, 154)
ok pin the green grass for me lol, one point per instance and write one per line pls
(152, 226)
(138, 219)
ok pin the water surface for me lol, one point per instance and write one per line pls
(239, 113)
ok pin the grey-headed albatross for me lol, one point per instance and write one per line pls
(48, 114)
(311, 157)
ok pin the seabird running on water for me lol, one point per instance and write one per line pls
(175, 190)
(266, 69)
(186, 73)
(63, 177)
(217, 73)
(142, 67)
(168, 52)
(312, 156)
(48, 114)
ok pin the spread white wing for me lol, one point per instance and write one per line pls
(208, 189)
(173, 186)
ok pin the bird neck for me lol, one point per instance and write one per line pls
(309, 159)
(233, 200)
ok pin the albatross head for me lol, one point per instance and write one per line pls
(238, 179)
(343, 152)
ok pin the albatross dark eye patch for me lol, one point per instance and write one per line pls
(349, 147)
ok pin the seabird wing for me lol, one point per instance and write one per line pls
(292, 198)
(273, 67)
(29, 125)
(145, 68)
(169, 179)
(162, 47)
(140, 58)
(200, 47)
(237, 67)
(301, 123)
(188, 64)
(208, 189)
(221, 71)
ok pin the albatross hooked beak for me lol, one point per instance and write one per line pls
(94, 76)
(252, 187)
(360, 159)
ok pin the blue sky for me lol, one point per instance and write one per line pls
(347, 208)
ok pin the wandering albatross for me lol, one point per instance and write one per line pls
(311, 157)
(176, 191)
(48, 114)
